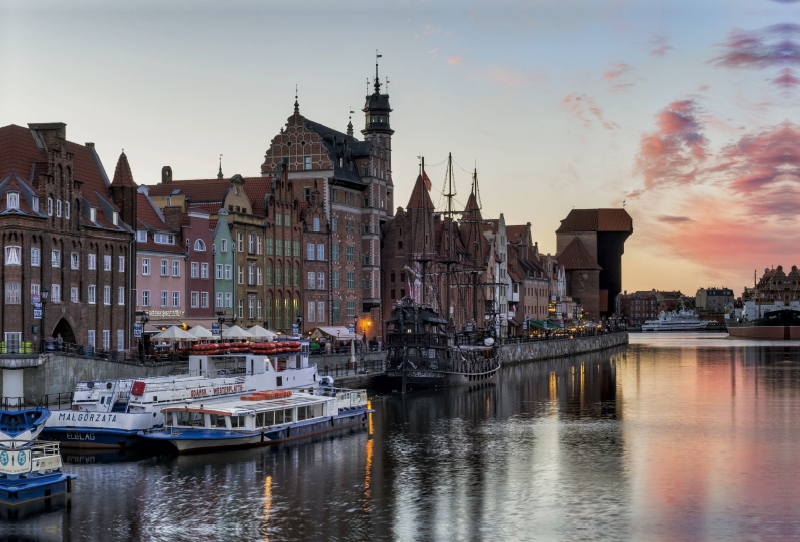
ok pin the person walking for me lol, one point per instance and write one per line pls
(60, 343)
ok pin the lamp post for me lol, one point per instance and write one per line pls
(353, 341)
(45, 293)
(144, 318)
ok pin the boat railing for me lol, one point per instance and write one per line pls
(416, 339)
(56, 400)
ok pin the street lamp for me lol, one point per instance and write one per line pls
(353, 341)
(45, 293)
(143, 318)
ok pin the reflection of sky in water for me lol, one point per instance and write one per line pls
(656, 443)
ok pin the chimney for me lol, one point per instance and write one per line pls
(53, 134)
(89, 144)
(172, 216)
(166, 175)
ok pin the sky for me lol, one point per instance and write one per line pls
(685, 112)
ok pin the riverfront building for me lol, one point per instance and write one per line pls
(66, 241)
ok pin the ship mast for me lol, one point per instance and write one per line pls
(449, 260)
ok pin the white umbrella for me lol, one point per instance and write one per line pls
(236, 333)
(261, 333)
(200, 332)
(174, 333)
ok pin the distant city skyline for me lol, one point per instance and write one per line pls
(681, 111)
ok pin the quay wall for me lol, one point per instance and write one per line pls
(538, 350)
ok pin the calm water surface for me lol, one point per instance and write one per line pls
(678, 437)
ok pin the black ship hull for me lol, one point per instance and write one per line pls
(428, 378)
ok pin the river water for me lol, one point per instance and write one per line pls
(676, 437)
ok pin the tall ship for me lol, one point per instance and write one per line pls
(774, 321)
(682, 320)
(424, 348)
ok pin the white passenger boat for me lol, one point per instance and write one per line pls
(675, 321)
(110, 413)
(259, 421)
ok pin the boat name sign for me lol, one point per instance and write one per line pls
(84, 417)
(221, 390)
(15, 461)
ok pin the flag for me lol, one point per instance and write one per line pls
(426, 181)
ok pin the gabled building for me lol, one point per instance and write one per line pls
(198, 239)
(224, 260)
(65, 240)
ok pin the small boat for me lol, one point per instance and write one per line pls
(29, 470)
(676, 321)
(111, 413)
(260, 419)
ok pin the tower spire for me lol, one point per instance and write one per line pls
(350, 123)
(220, 175)
(377, 79)
(296, 104)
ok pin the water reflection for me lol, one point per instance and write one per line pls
(695, 441)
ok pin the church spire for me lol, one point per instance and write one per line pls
(296, 104)
(220, 175)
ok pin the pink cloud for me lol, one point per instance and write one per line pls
(586, 110)
(774, 46)
(513, 78)
(455, 60)
(660, 45)
(613, 76)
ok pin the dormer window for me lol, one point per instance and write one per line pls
(35, 204)
(12, 200)
(164, 239)
(141, 236)
(92, 214)
(115, 218)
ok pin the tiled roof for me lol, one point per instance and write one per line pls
(575, 256)
(516, 233)
(596, 220)
(420, 199)
(122, 174)
(209, 193)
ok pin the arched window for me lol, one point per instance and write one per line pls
(199, 246)
(50, 206)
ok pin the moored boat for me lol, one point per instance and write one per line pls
(260, 419)
(773, 322)
(676, 321)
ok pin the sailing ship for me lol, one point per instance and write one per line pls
(424, 348)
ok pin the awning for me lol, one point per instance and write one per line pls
(543, 324)
(205, 322)
(331, 332)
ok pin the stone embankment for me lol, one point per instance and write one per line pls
(558, 348)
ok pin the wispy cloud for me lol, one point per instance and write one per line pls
(776, 46)
(511, 78)
(674, 219)
(456, 60)
(615, 76)
(586, 110)
(659, 45)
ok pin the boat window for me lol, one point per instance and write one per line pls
(103, 400)
(237, 421)
(217, 420)
(260, 419)
(412, 352)
(301, 413)
(185, 418)
(317, 410)
(287, 415)
(278, 417)
(269, 418)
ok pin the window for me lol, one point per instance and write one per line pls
(258, 309)
(250, 303)
(141, 236)
(164, 298)
(90, 338)
(74, 296)
(145, 298)
(195, 270)
(258, 276)
(241, 308)
(164, 239)
(351, 309)
(121, 295)
(106, 339)
(55, 293)
(199, 246)
(195, 299)
(269, 310)
(269, 246)
(218, 271)
(351, 253)
(320, 252)
(334, 279)
(251, 243)
(337, 313)
(335, 253)
(35, 205)
(296, 249)
(278, 219)
(351, 280)
(49, 206)
(114, 217)
(120, 339)
(315, 223)
(311, 281)
(286, 220)
(92, 214)
(240, 274)
(228, 300)
(121, 264)
(224, 245)
(278, 277)
(107, 262)
(13, 255)
(145, 266)
(307, 165)
(92, 294)
(13, 293)
(310, 253)
(321, 312)
(334, 224)
(279, 246)
(219, 299)
(312, 311)
(176, 268)
(66, 207)
(367, 284)
(203, 270)
(228, 272)
(12, 200)
(258, 244)
(251, 275)
(320, 281)
(287, 275)
(36, 257)
(176, 299)
(392, 295)
(55, 258)
(106, 295)
(240, 242)
(204, 300)
(296, 276)
(164, 268)
(58, 208)
(268, 276)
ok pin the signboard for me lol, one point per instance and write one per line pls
(137, 330)
(35, 298)
(469, 326)
(215, 329)
(295, 329)
(37, 311)
(524, 324)
(15, 462)
(352, 328)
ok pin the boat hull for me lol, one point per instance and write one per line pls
(427, 378)
(775, 333)
(20, 491)
(91, 439)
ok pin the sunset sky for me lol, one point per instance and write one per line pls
(685, 110)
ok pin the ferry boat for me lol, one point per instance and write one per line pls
(111, 413)
(29, 470)
(676, 321)
(260, 419)
(775, 321)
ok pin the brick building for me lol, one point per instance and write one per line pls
(714, 300)
(64, 232)
(775, 285)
